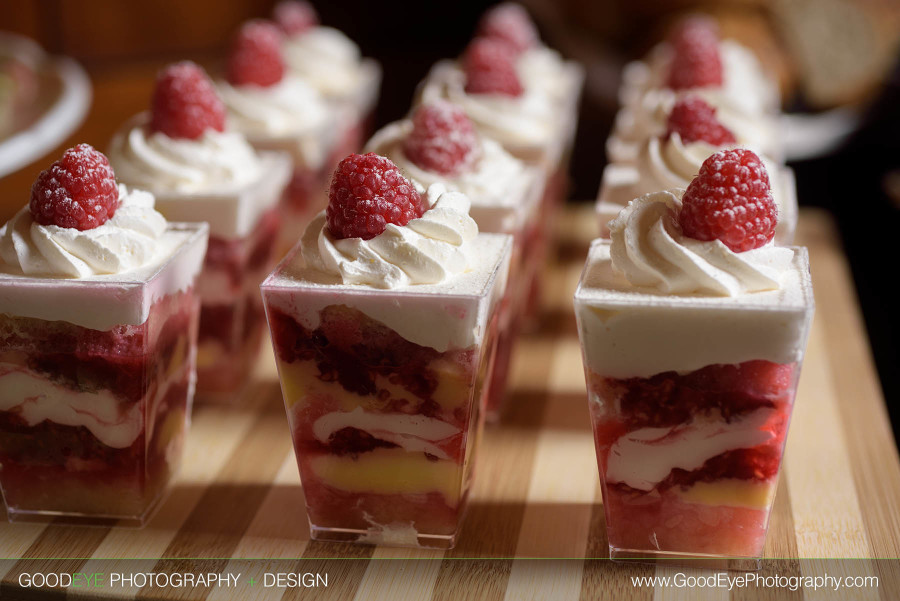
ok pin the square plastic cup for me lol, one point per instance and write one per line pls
(383, 391)
(96, 385)
(244, 227)
(521, 220)
(690, 399)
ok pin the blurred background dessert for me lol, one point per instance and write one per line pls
(835, 62)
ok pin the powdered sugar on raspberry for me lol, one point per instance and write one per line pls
(731, 201)
(77, 191)
(368, 192)
(443, 139)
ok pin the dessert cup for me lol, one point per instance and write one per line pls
(383, 389)
(690, 397)
(746, 89)
(646, 117)
(672, 163)
(331, 63)
(292, 118)
(244, 224)
(96, 385)
(505, 194)
(536, 127)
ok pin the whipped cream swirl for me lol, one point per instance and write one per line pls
(649, 249)
(154, 161)
(289, 107)
(496, 179)
(427, 250)
(326, 58)
(673, 163)
(127, 241)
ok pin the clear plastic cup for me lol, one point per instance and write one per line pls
(690, 399)
(383, 391)
(96, 384)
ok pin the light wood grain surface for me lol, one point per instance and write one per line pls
(535, 526)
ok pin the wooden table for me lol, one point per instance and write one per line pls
(536, 494)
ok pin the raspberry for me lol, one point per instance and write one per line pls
(255, 56)
(185, 103)
(693, 119)
(696, 62)
(443, 139)
(295, 16)
(78, 191)
(509, 22)
(490, 67)
(368, 192)
(730, 200)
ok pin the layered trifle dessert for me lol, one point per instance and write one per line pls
(693, 325)
(694, 60)
(671, 160)
(279, 111)
(332, 63)
(201, 170)
(383, 321)
(516, 90)
(98, 330)
(439, 144)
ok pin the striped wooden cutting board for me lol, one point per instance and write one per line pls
(535, 512)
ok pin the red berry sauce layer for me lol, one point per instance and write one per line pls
(712, 398)
(354, 362)
(50, 466)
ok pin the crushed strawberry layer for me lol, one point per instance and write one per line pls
(723, 394)
(45, 463)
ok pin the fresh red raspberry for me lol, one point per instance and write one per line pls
(255, 56)
(368, 192)
(443, 139)
(730, 200)
(509, 22)
(295, 16)
(78, 191)
(693, 119)
(490, 67)
(185, 103)
(696, 62)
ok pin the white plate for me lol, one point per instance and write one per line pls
(58, 121)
